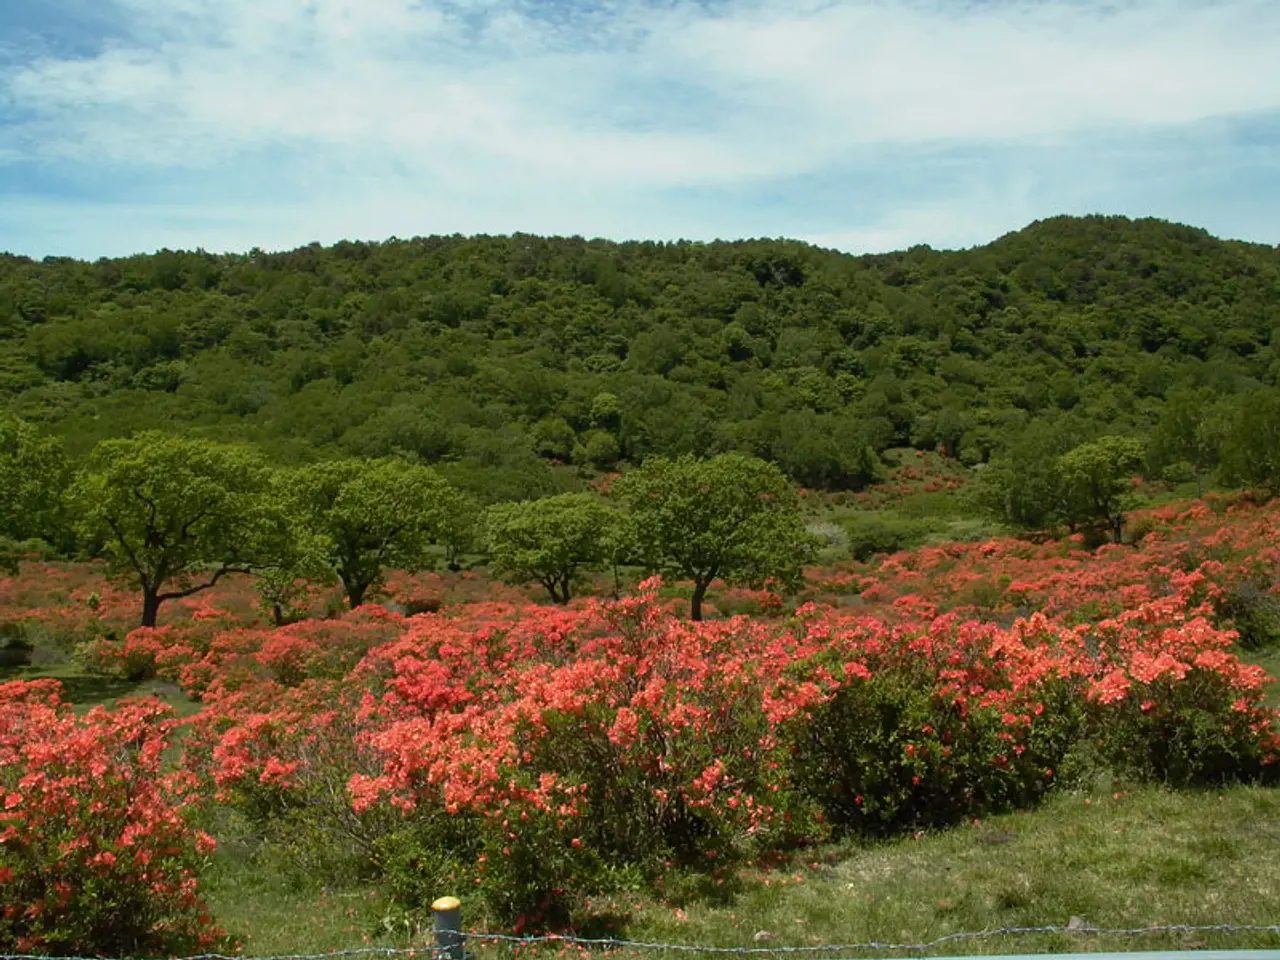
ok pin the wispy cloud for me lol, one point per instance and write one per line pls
(274, 122)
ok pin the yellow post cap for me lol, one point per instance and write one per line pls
(446, 903)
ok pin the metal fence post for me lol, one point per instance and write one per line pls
(448, 928)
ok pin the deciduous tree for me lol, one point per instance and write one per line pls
(372, 514)
(732, 517)
(1097, 479)
(175, 515)
(33, 478)
(1252, 448)
(550, 540)
(1191, 431)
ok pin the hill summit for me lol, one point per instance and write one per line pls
(500, 357)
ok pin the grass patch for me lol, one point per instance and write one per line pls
(1134, 858)
(1142, 857)
(268, 915)
(86, 688)
(869, 533)
(1269, 660)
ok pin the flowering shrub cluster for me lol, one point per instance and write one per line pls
(532, 754)
(210, 654)
(911, 473)
(535, 753)
(1230, 541)
(95, 854)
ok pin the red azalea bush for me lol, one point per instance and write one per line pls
(537, 753)
(216, 652)
(96, 856)
(533, 754)
(1230, 541)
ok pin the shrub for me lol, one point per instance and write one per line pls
(870, 534)
(15, 648)
(96, 856)
(1253, 611)
(1172, 704)
(1138, 527)
(926, 729)
(920, 506)
(541, 755)
(830, 536)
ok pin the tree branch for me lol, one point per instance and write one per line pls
(218, 575)
(128, 550)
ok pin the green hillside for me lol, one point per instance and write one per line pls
(501, 356)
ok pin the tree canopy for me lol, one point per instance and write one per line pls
(33, 476)
(1097, 480)
(508, 361)
(731, 517)
(550, 541)
(370, 515)
(175, 515)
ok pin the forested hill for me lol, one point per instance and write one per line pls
(497, 356)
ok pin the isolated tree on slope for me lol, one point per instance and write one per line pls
(372, 514)
(732, 517)
(550, 540)
(176, 515)
(1097, 480)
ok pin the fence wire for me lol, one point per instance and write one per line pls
(824, 952)
(876, 945)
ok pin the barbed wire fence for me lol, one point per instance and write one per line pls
(451, 944)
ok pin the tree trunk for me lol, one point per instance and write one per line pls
(699, 594)
(1117, 527)
(355, 593)
(277, 614)
(150, 606)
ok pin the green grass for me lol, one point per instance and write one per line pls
(1131, 858)
(1269, 660)
(86, 688)
(1146, 857)
(268, 915)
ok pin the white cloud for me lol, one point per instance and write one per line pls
(401, 77)
(905, 72)
(429, 106)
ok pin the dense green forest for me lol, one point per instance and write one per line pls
(499, 358)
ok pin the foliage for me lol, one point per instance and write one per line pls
(1253, 444)
(547, 756)
(1058, 474)
(285, 585)
(617, 734)
(459, 525)
(1023, 485)
(1191, 431)
(550, 540)
(496, 357)
(33, 477)
(1098, 480)
(869, 534)
(731, 517)
(96, 855)
(175, 515)
(371, 515)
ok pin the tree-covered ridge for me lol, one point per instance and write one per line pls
(497, 356)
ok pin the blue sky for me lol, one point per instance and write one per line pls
(867, 125)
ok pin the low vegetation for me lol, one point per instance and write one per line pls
(889, 596)
(574, 768)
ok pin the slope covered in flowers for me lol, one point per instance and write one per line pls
(540, 754)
